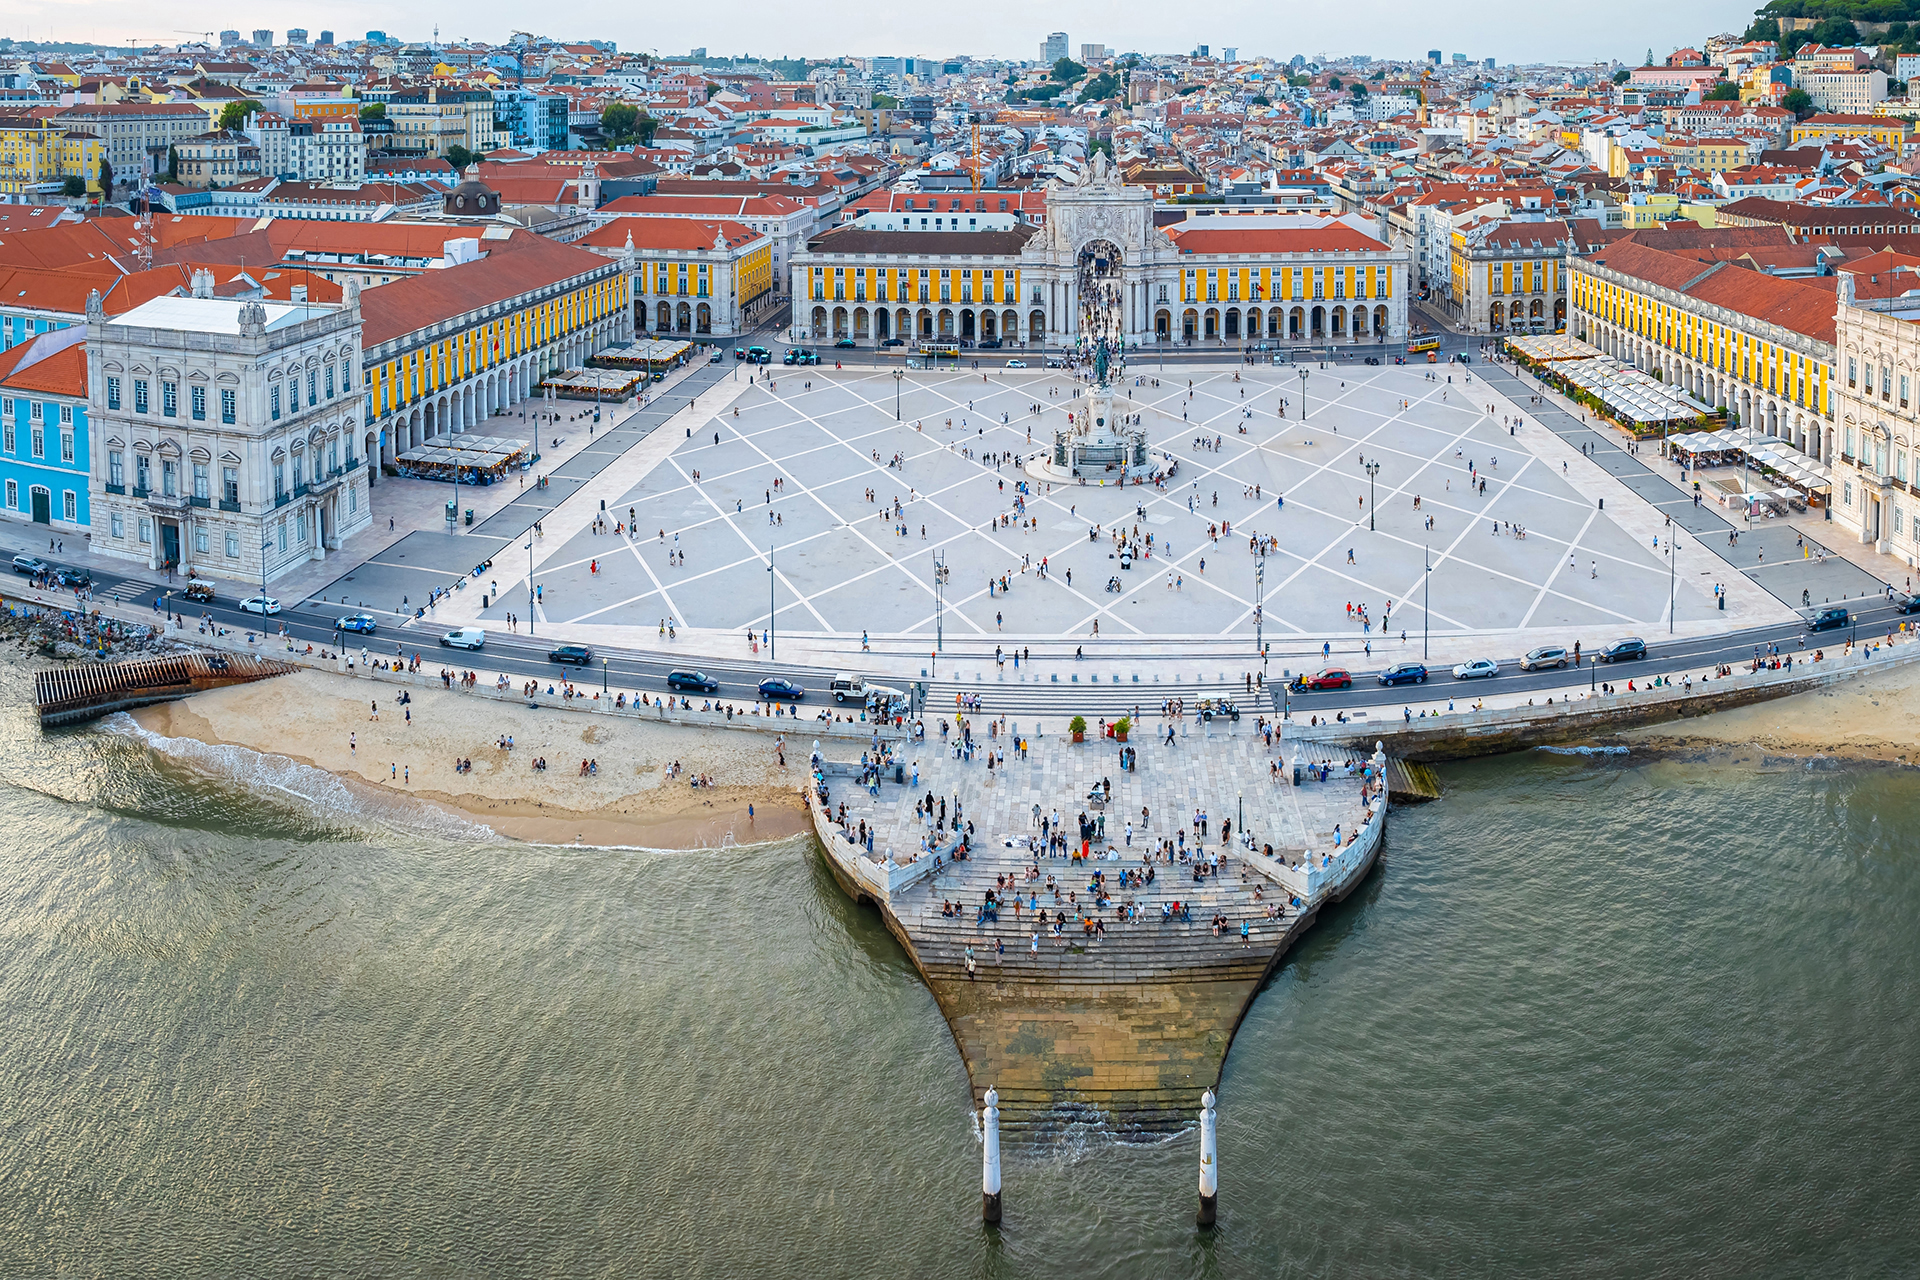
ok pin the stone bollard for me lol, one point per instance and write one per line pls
(1209, 1163)
(990, 1159)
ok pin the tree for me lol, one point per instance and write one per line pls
(1100, 88)
(459, 157)
(712, 89)
(1066, 71)
(1622, 76)
(73, 188)
(1725, 91)
(617, 120)
(885, 102)
(1797, 101)
(1333, 83)
(645, 127)
(173, 164)
(373, 111)
(1357, 89)
(1259, 100)
(106, 178)
(235, 114)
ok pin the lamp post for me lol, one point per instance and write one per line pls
(529, 580)
(772, 634)
(939, 601)
(1426, 608)
(603, 675)
(265, 547)
(1260, 610)
(1372, 469)
(1673, 572)
(898, 375)
(1303, 393)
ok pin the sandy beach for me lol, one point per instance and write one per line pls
(323, 720)
(1867, 718)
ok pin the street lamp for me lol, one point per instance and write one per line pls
(1260, 610)
(529, 580)
(1426, 608)
(898, 375)
(772, 635)
(1372, 469)
(939, 601)
(1673, 571)
(1303, 393)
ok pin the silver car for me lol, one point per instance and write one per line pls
(1478, 669)
(1550, 655)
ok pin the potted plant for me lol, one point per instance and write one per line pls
(1079, 727)
(1121, 726)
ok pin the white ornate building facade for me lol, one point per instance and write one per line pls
(961, 270)
(226, 432)
(1876, 387)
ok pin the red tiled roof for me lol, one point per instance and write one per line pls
(668, 234)
(64, 373)
(522, 264)
(1268, 238)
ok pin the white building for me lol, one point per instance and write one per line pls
(225, 432)
(309, 150)
(1850, 93)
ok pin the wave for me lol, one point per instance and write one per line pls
(319, 792)
(1583, 751)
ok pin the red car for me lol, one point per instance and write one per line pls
(1331, 678)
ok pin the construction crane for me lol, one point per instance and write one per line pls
(204, 35)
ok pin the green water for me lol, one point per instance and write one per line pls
(1594, 1018)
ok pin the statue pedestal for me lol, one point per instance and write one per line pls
(1103, 446)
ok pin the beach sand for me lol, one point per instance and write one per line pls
(1866, 718)
(309, 716)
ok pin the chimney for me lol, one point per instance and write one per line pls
(297, 293)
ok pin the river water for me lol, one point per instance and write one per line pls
(1605, 1017)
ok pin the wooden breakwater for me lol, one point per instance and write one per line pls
(85, 691)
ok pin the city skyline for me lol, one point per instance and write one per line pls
(1508, 33)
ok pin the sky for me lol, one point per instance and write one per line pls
(1509, 30)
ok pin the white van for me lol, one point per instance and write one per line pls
(464, 638)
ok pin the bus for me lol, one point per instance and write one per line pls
(1419, 345)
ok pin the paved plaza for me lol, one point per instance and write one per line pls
(805, 467)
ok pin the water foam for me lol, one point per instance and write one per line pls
(314, 789)
(1583, 751)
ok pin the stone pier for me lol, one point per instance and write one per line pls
(1122, 1028)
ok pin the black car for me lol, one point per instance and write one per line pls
(1624, 650)
(1404, 673)
(893, 342)
(989, 344)
(1905, 603)
(693, 681)
(845, 344)
(578, 654)
(1829, 619)
(777, 688)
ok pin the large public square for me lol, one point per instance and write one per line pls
(1393, 468)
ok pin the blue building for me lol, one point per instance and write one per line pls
(44, 454)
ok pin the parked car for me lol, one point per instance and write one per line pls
(1828, 619)
(1404, 673)
(1478, 669)
(261, 605)
(759, 355)
(360, 622)
(1016, 364)
(579, 655)
(1331, 678)
(845, 344)
(692, 681)
(1624, 650)
(464, 638)
(989, 344)
(786, 690)
(60, 576)
(32, 566)
(893, 342)
(799, 355)
(1549, 655)
(739, 353)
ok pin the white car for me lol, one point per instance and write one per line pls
(260, 604)
(1016, 364)
(464, 638)
(1478, 669)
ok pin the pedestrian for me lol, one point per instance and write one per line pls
(373, 710)
(353, 745)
